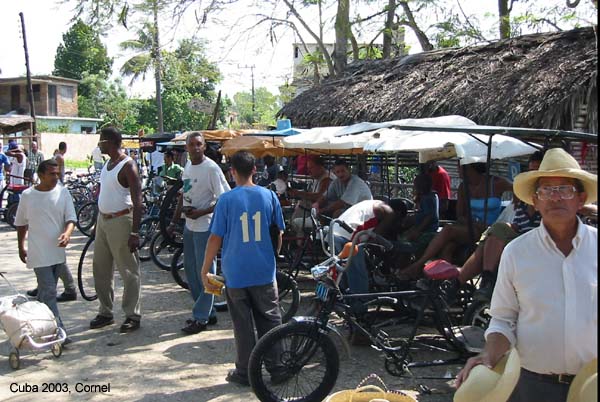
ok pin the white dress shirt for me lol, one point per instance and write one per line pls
(546, 304)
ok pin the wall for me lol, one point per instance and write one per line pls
(79, 146)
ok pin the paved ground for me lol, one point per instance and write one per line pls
(157, 362)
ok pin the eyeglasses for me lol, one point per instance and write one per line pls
(566, 192)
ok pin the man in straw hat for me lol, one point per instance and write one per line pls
(545, 299)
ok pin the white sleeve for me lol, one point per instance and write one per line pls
(504, 307)
(69, 208)
(218, 182)
(21, 217)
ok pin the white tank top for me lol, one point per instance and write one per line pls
(113, 196)
(17, 169)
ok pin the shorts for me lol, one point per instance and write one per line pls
(500, 230)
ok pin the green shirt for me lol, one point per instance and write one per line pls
(174, 171)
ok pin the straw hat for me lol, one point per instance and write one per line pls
(556, 163)
(495, 385)
(584, 387)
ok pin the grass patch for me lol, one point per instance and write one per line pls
(71, 164)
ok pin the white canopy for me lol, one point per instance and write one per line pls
(390, 137)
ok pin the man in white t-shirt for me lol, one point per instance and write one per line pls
(47, 213)
(203, 183)
(97, 158)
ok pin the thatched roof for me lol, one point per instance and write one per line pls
(535, 81)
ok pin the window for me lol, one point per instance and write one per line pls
(36, 92)
(67, 93)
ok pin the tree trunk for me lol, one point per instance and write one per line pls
(157, 68)
(421, 36)
(389, 29)
(504, 18)
(342, 26)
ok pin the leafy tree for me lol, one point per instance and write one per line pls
(266, 107)
(81, 52)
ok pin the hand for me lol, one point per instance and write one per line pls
(23, 255)
(208, 287)
(133, 242)
(472, 362)
(171, 229)
(194, 213)
(63, 240)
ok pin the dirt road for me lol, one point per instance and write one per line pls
(156, 363)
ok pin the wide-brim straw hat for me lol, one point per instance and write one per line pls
(491, 385)
(556, 163)
(584, 387)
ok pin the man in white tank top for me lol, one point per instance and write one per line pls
(18, 163)
(117, 237)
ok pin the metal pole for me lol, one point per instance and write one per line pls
(253, 95)
(487, 179)
(29, 85)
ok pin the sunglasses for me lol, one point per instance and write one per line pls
(566, 192)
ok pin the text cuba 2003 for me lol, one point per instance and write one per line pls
(59, 387)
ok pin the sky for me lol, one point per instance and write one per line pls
(47, 20)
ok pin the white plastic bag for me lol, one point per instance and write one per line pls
(30, 318)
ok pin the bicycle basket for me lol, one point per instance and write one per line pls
(366, 393)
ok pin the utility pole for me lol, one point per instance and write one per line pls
(157, 67)
(253, 94)
(29, 86)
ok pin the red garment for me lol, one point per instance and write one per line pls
(371, 223)
(440, 183)
(301, 164)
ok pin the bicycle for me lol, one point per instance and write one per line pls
(303, 357)
(85, 271)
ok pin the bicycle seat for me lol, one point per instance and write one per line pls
(440, 270)
(17, 188)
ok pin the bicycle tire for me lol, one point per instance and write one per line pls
(11, 213)
(288, 294)
(86, 217)
(477, 314)
(167, 209)
(85, 273)
(148, 228)
(177, 270)
(296, 344)
(161, 252)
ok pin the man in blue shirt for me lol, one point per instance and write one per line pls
(240, 223)
(4, 163)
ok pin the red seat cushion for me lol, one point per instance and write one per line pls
(440, 270)
(17, 188)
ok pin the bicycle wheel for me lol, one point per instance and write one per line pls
(167, 209)
(148, 228)
(86, 217)
(85, 272)
(293, 362)
(162, 252)
(292, 255)
(177, 269)
(289, 296)
(11, 213)
(478, 314)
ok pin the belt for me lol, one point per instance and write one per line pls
(116, 214)
(555, 378)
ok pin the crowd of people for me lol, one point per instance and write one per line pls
(233, 213)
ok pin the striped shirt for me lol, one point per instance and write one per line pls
(522, 221)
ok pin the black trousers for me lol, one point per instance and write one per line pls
(255, 306)
(531, 388)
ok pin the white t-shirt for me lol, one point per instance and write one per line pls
(97, 155)
(202, 185)
(158, 159)
(46, 213)
(355, 216)
(17, 169)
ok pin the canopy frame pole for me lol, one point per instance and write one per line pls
(487, 179)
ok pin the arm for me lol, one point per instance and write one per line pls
(177, 213)
(495, 347)
(307, 195)
(212, 248)
(135, 188)
(21, 232)
(65, 236)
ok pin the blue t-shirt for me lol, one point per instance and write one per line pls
(428, 205)
(4, 162)
(242, 218)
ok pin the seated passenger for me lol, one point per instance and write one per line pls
(423, 224)
(317, 188)
(452, 236)
(346, 190)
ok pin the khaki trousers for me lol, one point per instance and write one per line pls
(110, 250)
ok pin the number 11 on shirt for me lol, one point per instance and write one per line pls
(245, 231)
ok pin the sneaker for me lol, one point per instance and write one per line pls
(236, 377)
(194, 327)
(67, 296)
(486, 289)
(32, 292)
(129, 325)
(101, 321)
